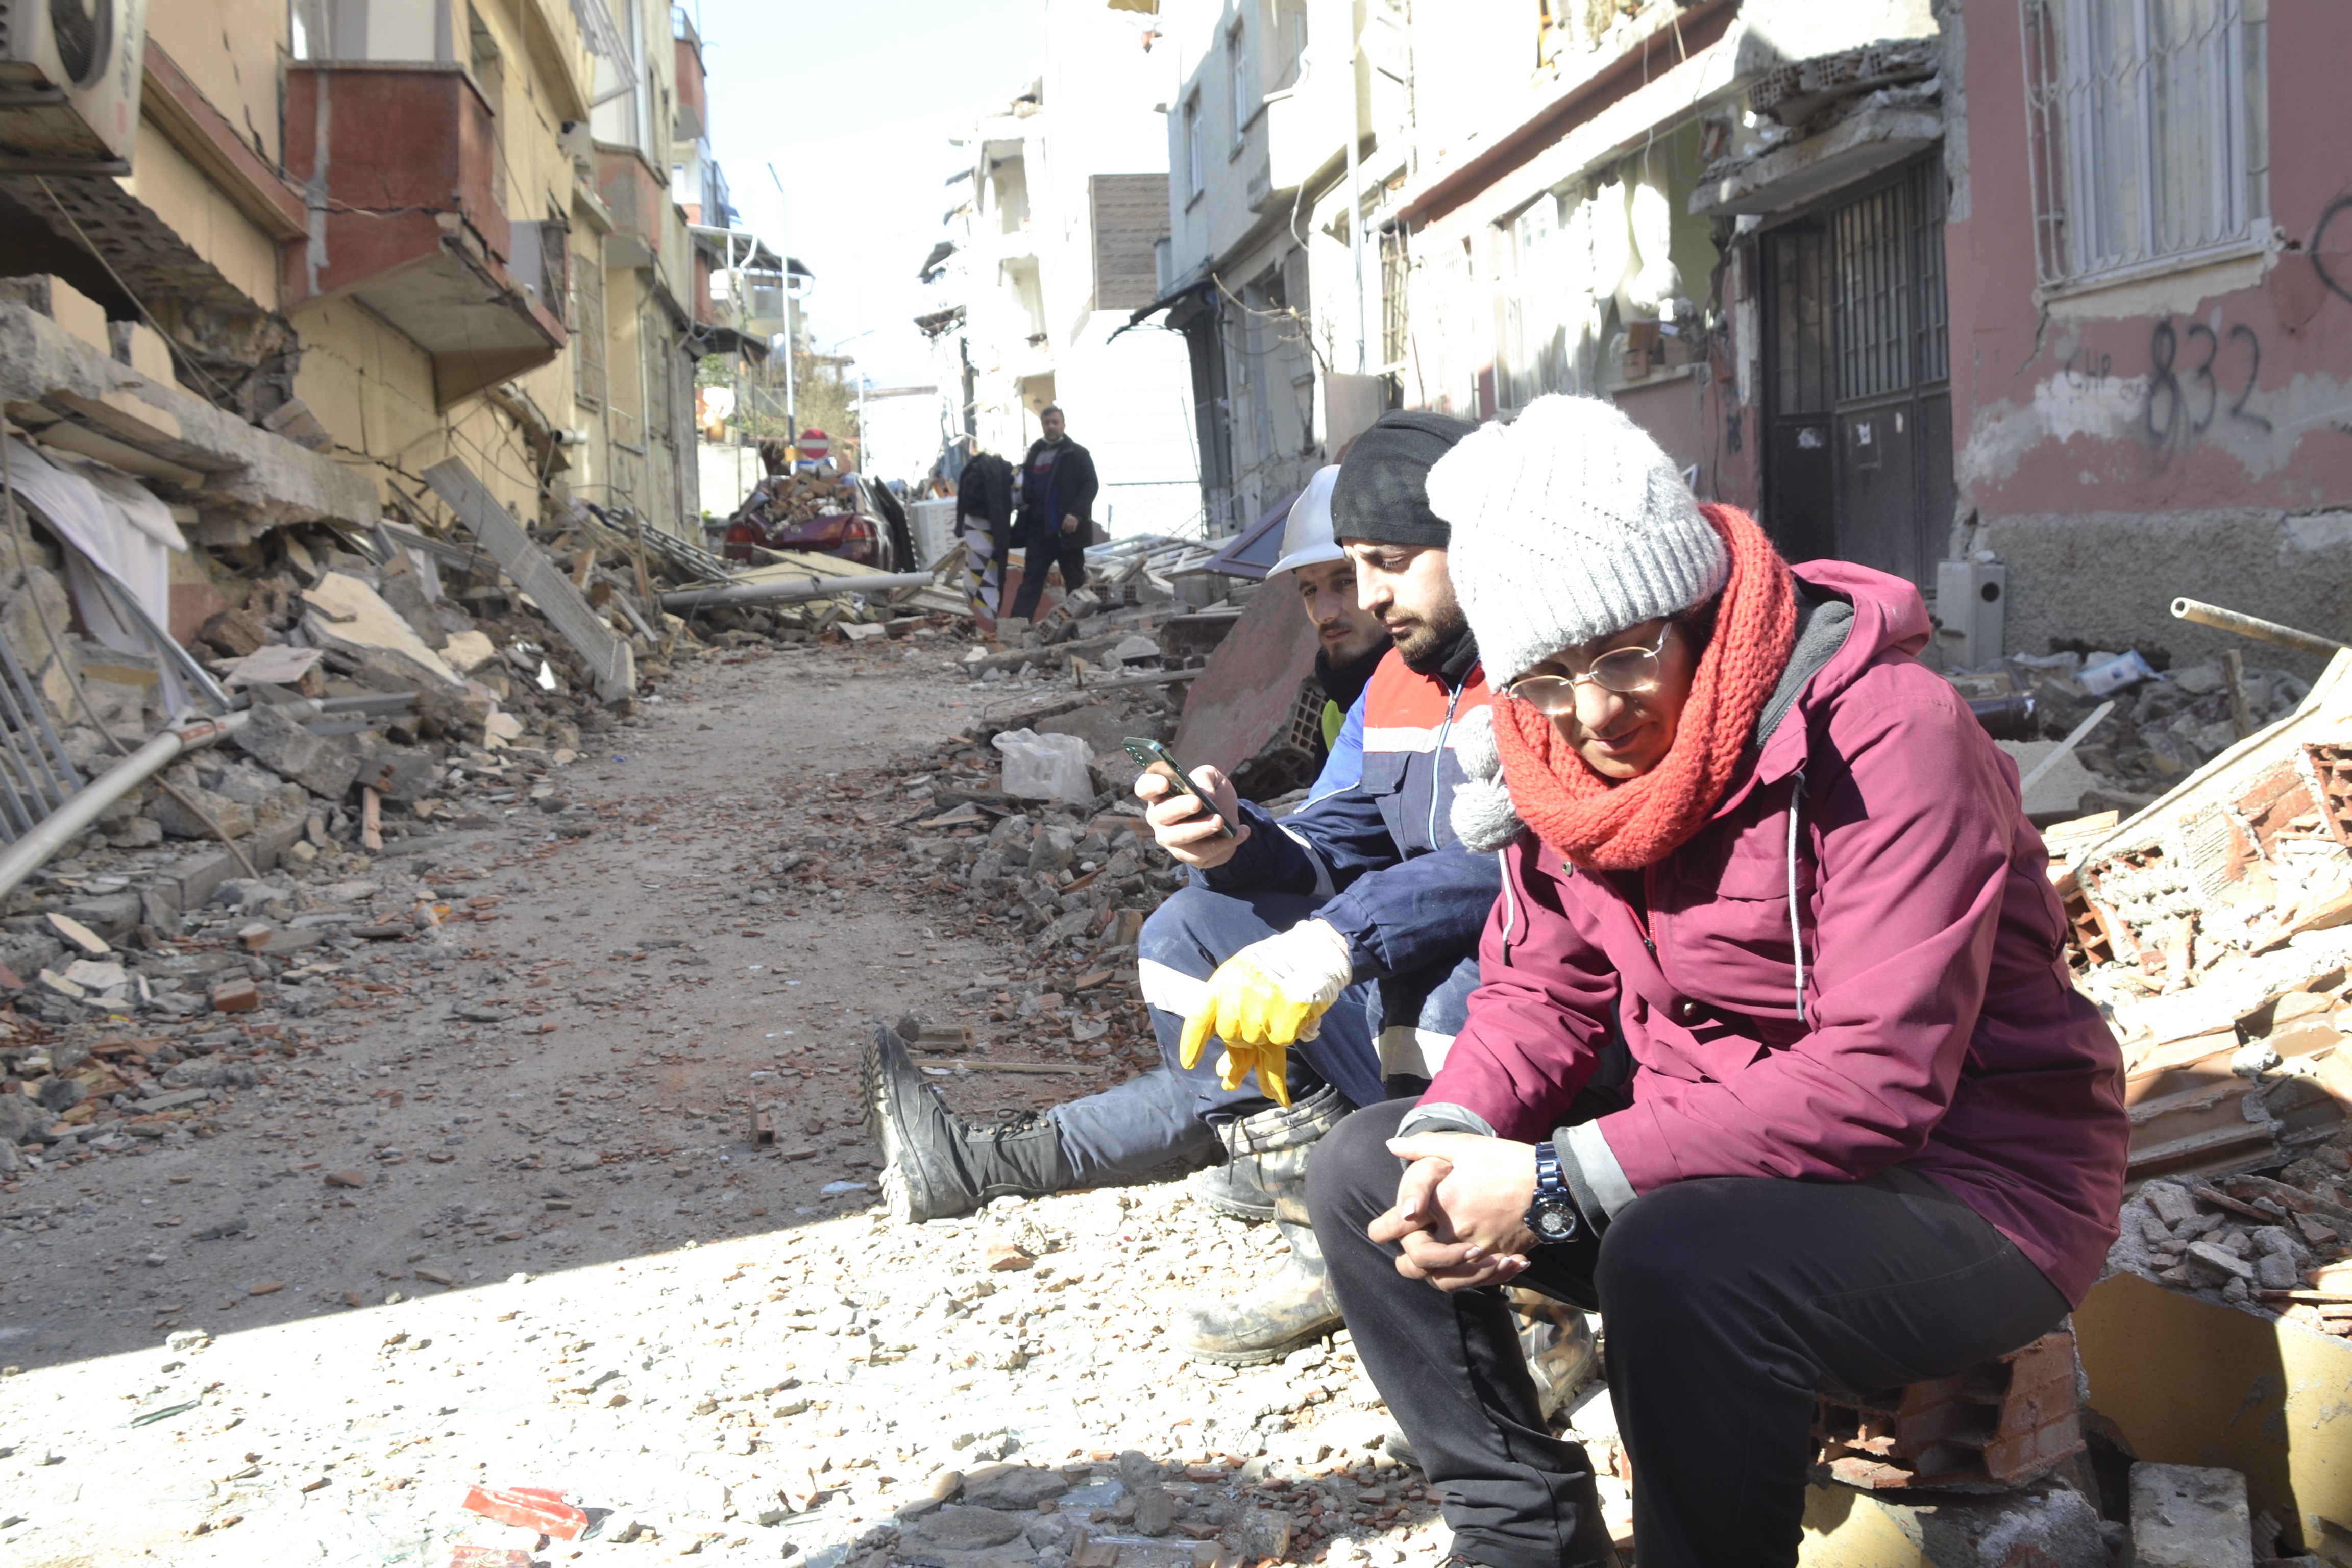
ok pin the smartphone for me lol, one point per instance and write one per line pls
(1151, 754)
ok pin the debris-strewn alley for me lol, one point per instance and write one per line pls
(501, 1216)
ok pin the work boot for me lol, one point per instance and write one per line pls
(935, 1165)
(1260, 1149)
(1556, 1340)
(1295, 1308)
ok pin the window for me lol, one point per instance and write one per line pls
(395, 30)
(1196, 161)
(1290, 24)
(2147, 127)
(1245, 82)
(588, 333)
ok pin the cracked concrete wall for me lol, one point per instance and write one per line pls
(275, 481)
(231, 50)
(2188, 434)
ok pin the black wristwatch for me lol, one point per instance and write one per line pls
(1553, 1216)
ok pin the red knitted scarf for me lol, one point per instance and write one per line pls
(1603, 825)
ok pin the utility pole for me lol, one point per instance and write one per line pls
(792, 368)
(1355, 199)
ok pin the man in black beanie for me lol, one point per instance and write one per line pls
(1358, 917)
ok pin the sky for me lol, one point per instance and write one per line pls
(855, 103)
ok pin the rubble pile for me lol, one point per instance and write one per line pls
(809, 493)
(2167, 724)
(2213, 928)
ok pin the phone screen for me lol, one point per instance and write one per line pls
(1152, 754)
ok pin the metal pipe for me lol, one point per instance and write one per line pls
(2246, 626)
(791, 588)
(61, 826)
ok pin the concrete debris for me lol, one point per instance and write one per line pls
(2184, 1517)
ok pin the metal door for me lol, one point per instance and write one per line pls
(1857, 417)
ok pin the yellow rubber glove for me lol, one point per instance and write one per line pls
(1264, 999)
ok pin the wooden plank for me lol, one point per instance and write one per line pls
(610, 663)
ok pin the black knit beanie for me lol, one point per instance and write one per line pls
(1382, 493)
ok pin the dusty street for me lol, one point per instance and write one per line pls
(498, 1216)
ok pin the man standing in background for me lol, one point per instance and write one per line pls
(1057, 500)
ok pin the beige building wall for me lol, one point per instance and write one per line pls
(231, 50)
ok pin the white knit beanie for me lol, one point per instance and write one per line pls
(1569, 524)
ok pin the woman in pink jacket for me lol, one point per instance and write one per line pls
(1775, 1059)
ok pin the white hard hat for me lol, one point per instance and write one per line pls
(1307, 537)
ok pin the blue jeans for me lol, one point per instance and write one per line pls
(1167, 1117)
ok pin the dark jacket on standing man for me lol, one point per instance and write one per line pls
(1069, 494)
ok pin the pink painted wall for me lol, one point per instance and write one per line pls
(2227, 401)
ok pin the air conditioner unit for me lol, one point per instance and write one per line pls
(70, 75)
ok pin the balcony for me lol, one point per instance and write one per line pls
(399, 167)
(639, 198)
(692, 121)
(1298, 139)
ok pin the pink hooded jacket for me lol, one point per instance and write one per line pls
(1929, 1019)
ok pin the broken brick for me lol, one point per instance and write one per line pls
(532, 1507)
(239, 995)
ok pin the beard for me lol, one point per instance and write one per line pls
(1426, 648)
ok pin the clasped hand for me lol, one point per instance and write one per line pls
(1461, 1209)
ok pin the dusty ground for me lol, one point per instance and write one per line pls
(641, 993)
(566, 1265)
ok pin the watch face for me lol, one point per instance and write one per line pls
(1553, 1225)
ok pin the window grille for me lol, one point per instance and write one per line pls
(2145, 121)
(1395, 265)
(1886, 254)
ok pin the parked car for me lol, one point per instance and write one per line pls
(875, 535)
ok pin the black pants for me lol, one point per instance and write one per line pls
(1047, 549)
(1726, 1303)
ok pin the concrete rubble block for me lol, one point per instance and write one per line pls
(235, 634)
(1013, 1487)
(323, 765)
(195, 876)
(179, 821)
(959, 1529)
(21, 1117)
(461, 710)
(110, 915)
(345, 615)
(28, 952)
(402, 589)
(2183, 1516)
(34, 611)
(400, 775)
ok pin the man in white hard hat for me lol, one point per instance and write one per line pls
(1350, 640)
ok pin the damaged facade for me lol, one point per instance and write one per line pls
(394, 233)
(351, 315)
(1048, 250)
(1908, 280)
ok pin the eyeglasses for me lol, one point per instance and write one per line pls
(1627, 671)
